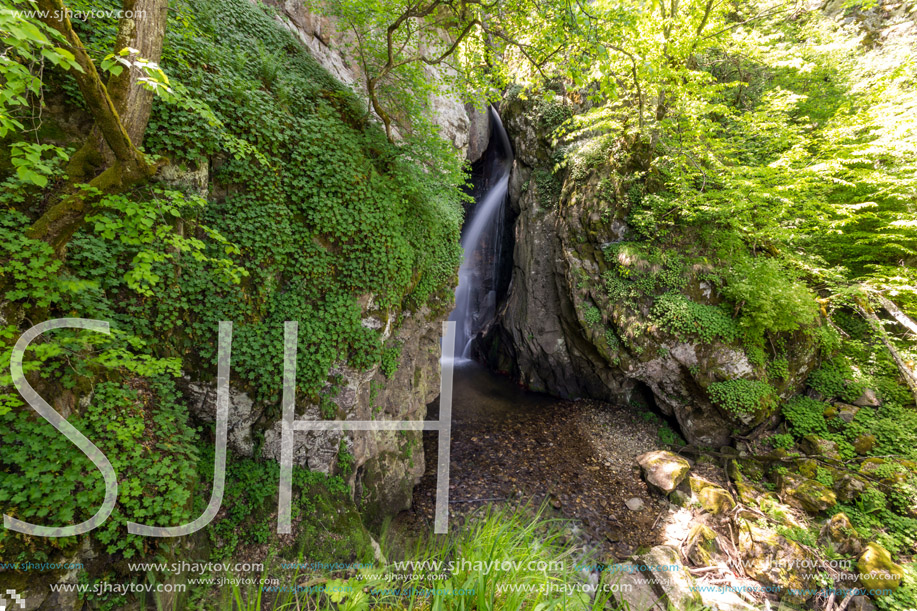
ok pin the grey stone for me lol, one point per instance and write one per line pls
(634, 504)
(846, 412)
(202, 403)
(861, 603)
(478, 132)
(868, 399)
(676, 583)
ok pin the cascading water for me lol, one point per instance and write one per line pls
(476, 295)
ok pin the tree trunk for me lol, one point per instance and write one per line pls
(128, 165)
(910, 378)
(145, 32)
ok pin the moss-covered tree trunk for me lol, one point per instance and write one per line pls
(109, 160)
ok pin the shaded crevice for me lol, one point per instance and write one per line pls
(643, 395)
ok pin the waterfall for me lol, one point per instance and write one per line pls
(475, 295)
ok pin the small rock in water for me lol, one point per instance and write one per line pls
(634, 504)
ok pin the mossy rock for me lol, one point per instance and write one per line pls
(877, 570)
(809, 494)
(816, 446)
(848, 487)
(701, 545)
(769, 558)
(331, 530)
(845, 411)
(711, 497)
(864, 443)
(681, 498)
(807, 467)
(664, 470)
(840, 531)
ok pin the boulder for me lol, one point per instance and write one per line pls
(630, 589)
(849, 487)
(841, 533)
(810, 495)
(877, 570)
(864, 443)
(770, 558)
(861, 603)
(816, 446)
(663, 470)
(711, 497)
(680, 497)
(701, 545)
(846, 412)
(868, 399)
(674, 580)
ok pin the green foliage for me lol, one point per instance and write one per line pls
(390, 358)
(250, 501)
(681, 316)
(871, 500)
(345, 460)
(894, 426)
(316, 210)
(769, 300)
(142, 428)
(905, 597)
(824, 476)
(805, 416)
(548, 187)
(742, 396)
(29, 265)
(892, 531)
(782, 440)
(148, 228)
(778, 369)
(592, 316)
(799, 534)
(30, 162)
(28, 44)
(835, 378)
(650, 216)
(667, 436)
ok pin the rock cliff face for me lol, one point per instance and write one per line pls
(386, 464)
(460, 124)
(563, 328)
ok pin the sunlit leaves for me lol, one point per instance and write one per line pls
(26, 44)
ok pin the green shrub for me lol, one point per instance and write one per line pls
(905, 597)
(782, 440)
(143, 429)
(592, 316)
(769, 299)
(779, 368)
(824, 476)
(835, 378)
(742, 396)
(871, 500)
(805, 416)
(682, 317)
(390, 358)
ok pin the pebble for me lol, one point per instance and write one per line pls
(634, 504)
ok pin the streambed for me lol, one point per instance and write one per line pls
(513, 446)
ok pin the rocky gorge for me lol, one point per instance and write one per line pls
(684, 348)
